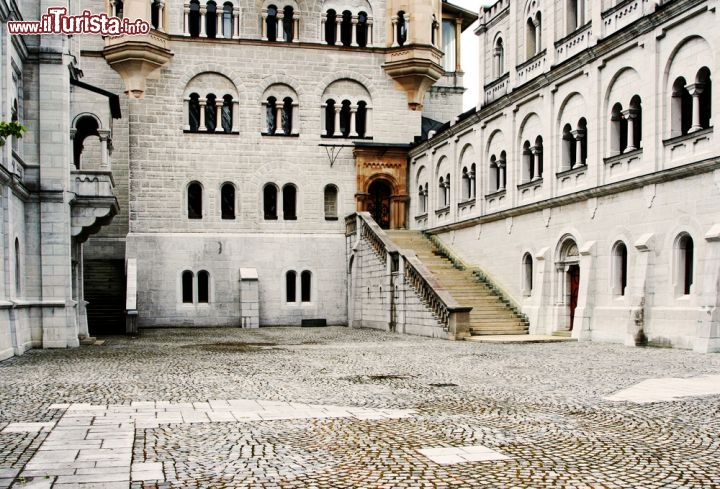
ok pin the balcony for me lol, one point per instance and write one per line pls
(136, 58)
(530, 191)
(416, 68)
(497, 88)
(94, 204)
(569, 180)
(617, 167)
(495, 200)
(466, 208)
(687, 148)
(574, 43)
(532, 67)
(624, 14)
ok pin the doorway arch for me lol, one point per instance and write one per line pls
(568, 280)
(378, 204)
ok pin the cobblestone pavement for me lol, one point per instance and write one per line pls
(342, 408)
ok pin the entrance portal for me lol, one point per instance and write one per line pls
(573, 276)
(378, 204)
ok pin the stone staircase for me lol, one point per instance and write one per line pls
(491, 314)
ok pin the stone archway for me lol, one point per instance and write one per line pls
(379, 202)
(382, 183)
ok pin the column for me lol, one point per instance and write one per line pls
(338, 32)
(394, 20)
(368, 122)
(369, 32)
(203, 103)
(630, 115)
(407, 29)
(536, 162)
(263, 24)
(323, 120)
(471, 174)
(236, 23)
(354, 21)
(218, 115)
(161, 15)
(323, 21)
(280, 32)
(295, 119)
(503, 176)
(353, 113)
(579, 136)
(538, 47)
(296, 28)
(337, 120)
(458, 33)
(104, 135)
(219, 14)
(695, 90)
(203, 13)
(186, 13)
(278, 117)
(186, 114)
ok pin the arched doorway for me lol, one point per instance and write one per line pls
(568, 280)
(378, 204)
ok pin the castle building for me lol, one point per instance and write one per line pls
(251, 163)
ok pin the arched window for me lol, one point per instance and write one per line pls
(346, 28)
(448, 45)
(361, 30)
(203, 287)
(581, 142)
(286, 119)
(361, 119)
(527, 162)
(531, 47)
(619, 268)
(681, 108)
(210, 113)
(527, 275)
(227, 201)
(494, 174)
(685, 254)
(289, 193)
(227, 20)
(194, 19)
(401, 28)
(568, 148)
(537, 151)
(194, 112)
(704, 86)
(227, 113)
(499, 57)
(444, 193)
(305, 285)
(331, 194)
(331, 27)
(635, 120)
(155, 13)
(118, 10)
(422, 202)
(345, 115)
(18, 268)
(271, 23)
(270, 201)
(194, 201)
(211, 19)
(441, 192)
(575, 15)
(330, 117)
(290, 286)
(187, 287)
(465, 184)
(618, 130)
(502, 168)
(86, 127)
(288, 24)
(270, 111)
(473, 181)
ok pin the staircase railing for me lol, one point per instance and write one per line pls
(453, 317)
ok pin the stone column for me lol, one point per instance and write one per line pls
(278, 118)
(394, 21)
(186, 14)
(502, 174)
(407, 29)
(236, 23)
(323, 120)
(203, 103)
(161, 15)
(354, 21)
(578, 135)
(630, 115)
(458, 33)
(536, 152)
(323, 21)
(295, 119)
(695, 89)
(471, 175)
(218, 115)
(296, 28)
(338, 31)
(369, 32)
(538, 38)
(279, 31)
(219, 23)
(337, 119)
(203, 14)
(186, 114)
(104, 154)
(235, 116)
(263, 24)
(353, 113)
(368, 122)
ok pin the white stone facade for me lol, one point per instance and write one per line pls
(576, 154)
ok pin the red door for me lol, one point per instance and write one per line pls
(574, 278)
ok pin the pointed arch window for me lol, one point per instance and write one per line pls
(227, 201)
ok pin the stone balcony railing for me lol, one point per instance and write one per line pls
(497, 88)
(94, 204)
(573, 44)
(532, 67)
(624, 14)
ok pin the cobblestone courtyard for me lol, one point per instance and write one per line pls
(341, 408)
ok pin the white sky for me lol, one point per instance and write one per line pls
(470, 53)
